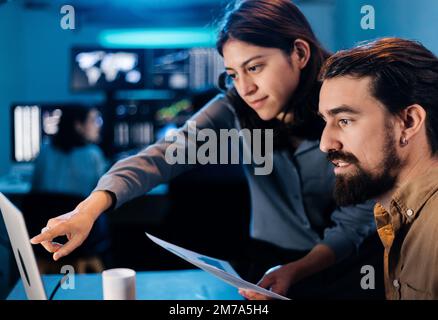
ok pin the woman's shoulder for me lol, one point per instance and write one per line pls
(91, 150)
(47, 149)
(219, 107)
(221, 100)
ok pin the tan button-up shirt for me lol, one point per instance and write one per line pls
(409, 233)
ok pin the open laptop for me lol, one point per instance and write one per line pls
(23, 252)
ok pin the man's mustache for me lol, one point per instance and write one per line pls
(337, 155)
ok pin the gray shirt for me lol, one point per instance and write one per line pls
(292, 207)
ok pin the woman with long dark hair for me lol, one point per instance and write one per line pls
(71, 163)
(272, 59)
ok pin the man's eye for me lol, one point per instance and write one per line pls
(231, 76)
(344, 122)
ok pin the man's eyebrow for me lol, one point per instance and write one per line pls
(341, 109)
(244, 63)
(320, 114)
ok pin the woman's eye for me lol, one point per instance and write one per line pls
(255, 68)
(231, 76)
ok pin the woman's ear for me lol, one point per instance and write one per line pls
(413, 119)
(301, 53)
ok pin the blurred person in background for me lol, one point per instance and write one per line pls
(71, 163)
(67, 169)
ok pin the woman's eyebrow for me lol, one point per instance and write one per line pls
(247, 61)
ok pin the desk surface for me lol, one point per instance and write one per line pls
(152, 285)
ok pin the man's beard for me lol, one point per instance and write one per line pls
(351, 189)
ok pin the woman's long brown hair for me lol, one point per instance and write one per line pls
(277, 24)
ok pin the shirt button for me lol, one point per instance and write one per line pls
(410, 212)
(395, 283)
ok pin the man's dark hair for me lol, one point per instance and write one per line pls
(403, 73)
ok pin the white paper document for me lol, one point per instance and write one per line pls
(216, 267)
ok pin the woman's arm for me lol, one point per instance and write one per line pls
(136, 175)
(126, 180)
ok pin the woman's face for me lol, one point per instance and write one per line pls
(265, 78)
(90, 129)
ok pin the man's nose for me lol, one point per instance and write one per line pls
(329, 141)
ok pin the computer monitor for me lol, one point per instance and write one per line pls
(23, 252)
(32, 125)
(183, 69)
(26, 132)
(135, 124)
(106, 69)
(139, 123)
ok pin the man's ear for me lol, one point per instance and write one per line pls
(413, 119)
(301, 53)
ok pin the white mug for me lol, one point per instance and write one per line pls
(118, 284)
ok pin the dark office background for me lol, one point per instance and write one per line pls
(206, 210)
